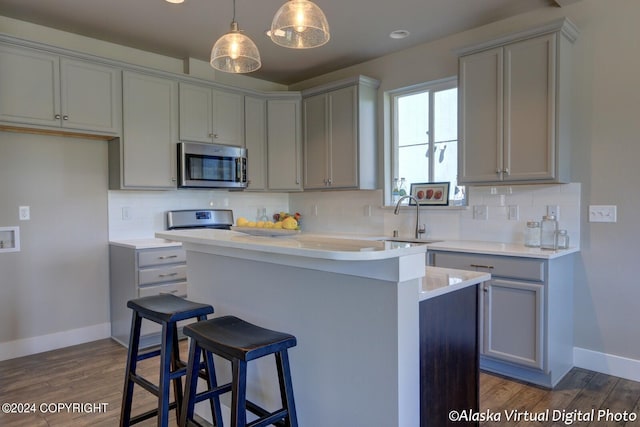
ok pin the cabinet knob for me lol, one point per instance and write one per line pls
(505, 171)
(57, 116)
(65, 117)
(213, 135)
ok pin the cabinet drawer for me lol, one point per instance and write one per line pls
(516, 268)
(171, 273)
(161, 256)
(177, 289)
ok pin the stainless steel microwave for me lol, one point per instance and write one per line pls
(211, 166)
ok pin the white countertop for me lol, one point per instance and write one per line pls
(303, 245)
(439, 281)
(149, 243)
(497, 248)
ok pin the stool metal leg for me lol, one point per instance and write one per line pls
(132, 362)
(239, 393)
(191, 384)
(165, 377)
(175, 365)
(212, 383)
(286, 388)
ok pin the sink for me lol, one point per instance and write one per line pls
(411, 240)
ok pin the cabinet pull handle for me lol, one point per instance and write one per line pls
(167, 275)
(175, 291)
(481, 266)
(168, 256)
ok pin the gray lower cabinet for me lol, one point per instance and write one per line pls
(525, 316)
(136, 273)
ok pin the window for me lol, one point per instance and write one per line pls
(425, 136)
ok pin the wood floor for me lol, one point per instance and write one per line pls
(91, 375)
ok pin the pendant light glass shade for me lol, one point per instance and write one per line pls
(234, 52)
(299, 24)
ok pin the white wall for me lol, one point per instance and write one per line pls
(604, 158)
(59, 281)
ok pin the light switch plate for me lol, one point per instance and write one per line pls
(481, 212)
(603, 213)
(514, 213)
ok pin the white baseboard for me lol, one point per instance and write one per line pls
(609, 364)
(39, 344)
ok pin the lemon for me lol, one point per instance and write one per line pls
(260, 224)
(278, 225)
(251, 224)
(268, 224)
(290, 223)
(242, 222)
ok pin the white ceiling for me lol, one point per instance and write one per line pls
(359, 28)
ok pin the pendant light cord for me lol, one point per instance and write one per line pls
(234, 11)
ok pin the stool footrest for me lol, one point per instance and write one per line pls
(213, 392)
(266, 418)
(148, 355)
(149, 414)
(146, 384)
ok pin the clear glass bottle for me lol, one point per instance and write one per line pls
(532, 234)
(548, 233)
(563, 239)
(395, 192)
(403, 187)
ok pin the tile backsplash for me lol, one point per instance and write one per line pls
(139, 214)
(362, 212)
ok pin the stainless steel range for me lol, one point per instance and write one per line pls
(221, 219)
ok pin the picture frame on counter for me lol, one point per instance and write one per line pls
(430, 194)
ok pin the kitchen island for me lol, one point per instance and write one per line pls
(354, 306)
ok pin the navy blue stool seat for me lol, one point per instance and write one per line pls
(165, 310)
(239, 342)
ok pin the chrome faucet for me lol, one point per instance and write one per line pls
(419, 229)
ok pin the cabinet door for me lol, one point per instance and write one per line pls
(343, 138)
(150, 131)
(513, 322)
(90, 96)
(228, 118)
(30, 87)
(256, 142)
(529, 152)
(284, 146)
(316, 140)
(195, 113)
(481, 116)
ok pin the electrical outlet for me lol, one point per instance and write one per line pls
(603, 213)
(481, 212)
(24, 213)
(126, 213)
(514, 212)
(554, 210)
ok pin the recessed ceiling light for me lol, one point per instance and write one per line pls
(399, 34)
(175, 1)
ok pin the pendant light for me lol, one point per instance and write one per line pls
(234, 52)
(299, 24)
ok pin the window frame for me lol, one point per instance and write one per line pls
(432, 87)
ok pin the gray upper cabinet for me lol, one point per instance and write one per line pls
(44, 90)
(513, 110)
(211, 115)
(284, 146)
(272, 139)
(339, 121)
(255, 114)
(145, 156)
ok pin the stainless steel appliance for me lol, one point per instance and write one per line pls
(211, 166)
(200, 218)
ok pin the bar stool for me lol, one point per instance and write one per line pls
(166, 310)
(239, 342)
